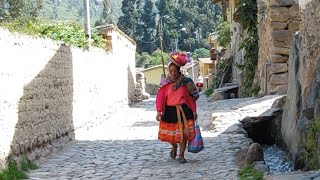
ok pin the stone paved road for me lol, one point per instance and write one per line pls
(126, 147)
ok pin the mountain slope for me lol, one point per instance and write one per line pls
(73, 10)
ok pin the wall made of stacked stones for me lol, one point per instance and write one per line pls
(303, 99)
(278, 20)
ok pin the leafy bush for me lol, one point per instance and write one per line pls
(68, 32)
(224, 34)
(200, 53)
(221, 66)
(248, 172)
(247, 13)
(208, 92)
(146, 60)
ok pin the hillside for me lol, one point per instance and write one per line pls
(73, 10)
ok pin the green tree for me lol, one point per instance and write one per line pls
(143, 60)
(127, 22)
(148, 20)
(196, 18)
(200, 53)
(156, 58)
(33, 8)
(54, 11)
(146, 60)
(2, 9)
(224, 35)
(15, 8)
(166, 10)
(105, 15)
(138, 24)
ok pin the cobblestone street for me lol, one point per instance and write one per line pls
(126, 147)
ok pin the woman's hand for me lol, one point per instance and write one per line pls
(158, 117)
(195, 116)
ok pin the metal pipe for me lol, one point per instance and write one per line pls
(266, 78)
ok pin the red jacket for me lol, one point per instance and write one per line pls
(162, 96)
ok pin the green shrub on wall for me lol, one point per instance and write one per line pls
(68, 32)
(247, 17)
(310, 152)
(224, 34)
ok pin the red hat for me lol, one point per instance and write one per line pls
(179, 59)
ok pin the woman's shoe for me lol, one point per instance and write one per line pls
(173, 154)
(182, 160)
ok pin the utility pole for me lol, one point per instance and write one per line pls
(176, 41)
(161, 46)
(87, 24)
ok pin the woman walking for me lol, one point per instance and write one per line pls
(176, 107)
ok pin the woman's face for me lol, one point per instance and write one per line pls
(173, 70)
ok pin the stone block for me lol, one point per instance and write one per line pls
(294, 26)
(260, 166)
(217, 96)
(279, 79)
(281, 50)
(280, 14)
(282, 38)
(277, 68)
(277, 58)
(279, 89)
(278, 25)
(294, 11)
(282, 2)
(241, 156)
(15, 148)
(255, 153)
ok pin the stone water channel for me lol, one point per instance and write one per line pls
(277, 160)
(233, 110)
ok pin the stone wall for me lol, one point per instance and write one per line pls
(50, 90)
(303, 99)
(140, 90)
(278, 20)
(237, 36)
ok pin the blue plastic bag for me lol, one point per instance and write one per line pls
(196, 145)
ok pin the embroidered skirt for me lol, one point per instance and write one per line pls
(177, 124)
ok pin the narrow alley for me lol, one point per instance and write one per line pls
(126, 147)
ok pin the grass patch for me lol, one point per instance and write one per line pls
(26, 164)
(248, 172)
(14, 172)
(208, 92)
(69, 32)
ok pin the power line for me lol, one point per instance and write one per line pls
(150, 42)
